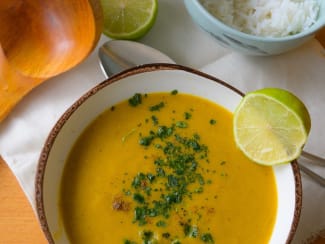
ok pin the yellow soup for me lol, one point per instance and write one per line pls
(164, 168)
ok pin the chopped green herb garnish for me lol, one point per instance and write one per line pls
(181, 124)
(176, 242)
(147, 235)
(158, 146)
(145, 141)
(129, 242)
(223, 174)
(196, 137)
(190, 231)
(127, 192)
(200, 179)
(164, 131)
(140, 214)
(138, 198)
(176, 176)
(139, 180)
(194, 232)
(135, 100)
(213, 122)
(160, 172)
(207, 238)
(186, 229)
(157, 107)
(154, 120)
(174, 92)
(165, 235)
(199, 190)
(161, 223)
(151, 177)
(187, 115)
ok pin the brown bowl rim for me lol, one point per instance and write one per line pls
(41, 167)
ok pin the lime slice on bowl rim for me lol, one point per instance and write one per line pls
(271, 126)
(128, 19)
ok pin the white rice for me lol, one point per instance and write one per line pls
(269, 18)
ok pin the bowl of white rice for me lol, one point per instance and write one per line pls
(259, 27)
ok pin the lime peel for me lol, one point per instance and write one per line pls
(271, 126)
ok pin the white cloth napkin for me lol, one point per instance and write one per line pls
(301, 71)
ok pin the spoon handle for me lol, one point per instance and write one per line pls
(312, 158)
(319, 179)
(316, 160)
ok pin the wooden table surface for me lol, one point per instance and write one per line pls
(18, 224)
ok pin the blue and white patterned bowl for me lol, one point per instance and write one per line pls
(246, 43)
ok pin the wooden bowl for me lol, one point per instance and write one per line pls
(40, 39)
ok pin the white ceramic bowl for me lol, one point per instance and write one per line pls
(246, 43)
(146, 79)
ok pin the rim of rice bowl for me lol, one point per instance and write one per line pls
(314, 27)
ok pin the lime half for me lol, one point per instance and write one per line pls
(128, 19)
(271, 126)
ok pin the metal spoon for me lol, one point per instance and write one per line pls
(118, 55)
(310, 158)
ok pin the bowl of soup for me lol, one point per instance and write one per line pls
(148, 156)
